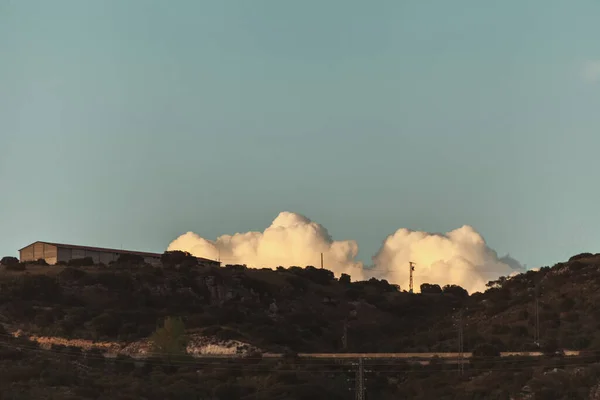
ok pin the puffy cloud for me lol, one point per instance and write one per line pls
(292, 239)
(458, 257)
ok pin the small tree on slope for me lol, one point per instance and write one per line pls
(169, 340)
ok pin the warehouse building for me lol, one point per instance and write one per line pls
(53, 253)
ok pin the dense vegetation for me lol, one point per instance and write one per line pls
(295, 310)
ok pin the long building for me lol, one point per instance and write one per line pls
(53, 253)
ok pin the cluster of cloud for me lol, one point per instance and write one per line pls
(458, 257)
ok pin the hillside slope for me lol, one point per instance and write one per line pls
(303, 310)
(295, 310)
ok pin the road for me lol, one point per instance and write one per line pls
(404, 356)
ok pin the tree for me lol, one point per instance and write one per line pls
(345, 279)
(170, 340)
(428, 288)
(456, 291)
(171, 259)
(318, 276)
(9, 261)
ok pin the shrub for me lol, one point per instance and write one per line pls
(319, 276)
(131, 259)
(106, 324)
(171, 259)
(428, 288)
(16, 267)
(345, 279)
(169, 340)
(455, 290)
(81, 262)
(580, 256)
(71, 274)
(297, 283)
(353, 294)
(9, 261)
(550, 346)
(383, 285)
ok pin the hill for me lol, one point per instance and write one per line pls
(299, 310)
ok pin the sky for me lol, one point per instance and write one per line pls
(126, 123)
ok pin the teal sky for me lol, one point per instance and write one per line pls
(127, 123)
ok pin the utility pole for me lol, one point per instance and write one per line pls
(360, 380)
(412, 268)
(537, 316)
(461, 368)
(345, 336)
(321, 260)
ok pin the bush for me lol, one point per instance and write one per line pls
(345, 279)
(455, 290)
(71, 274)
(353, 294)
(169, 340)
(428, 288)
(81, 262)
(16, 267)
(171, 259)
(319, 276)
(106, 324)
(298, 283)
(383, 285)
(131, 259)
(580, 256)
(9, 261)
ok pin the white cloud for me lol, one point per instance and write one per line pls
(458, 257)
(292, 239)
(591, 71)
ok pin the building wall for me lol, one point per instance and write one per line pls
(66, 254)
(36, 251)
(154, 261)
(53, 254)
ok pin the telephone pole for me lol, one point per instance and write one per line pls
(412, 268)
(537, 316)
(461, 349)
(360, 380)
(321, 260)
(345, 336)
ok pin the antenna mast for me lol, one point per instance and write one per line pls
(412, 268)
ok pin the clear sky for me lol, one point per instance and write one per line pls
(129, 122)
